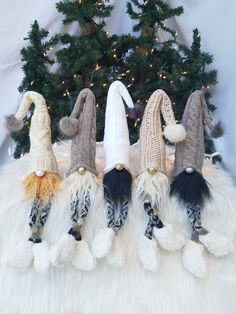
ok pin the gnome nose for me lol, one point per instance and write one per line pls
(40, 173)
(189, 170)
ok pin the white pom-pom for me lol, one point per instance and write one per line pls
(116, 255)
(63, 251)
(41, 257)
(19, 258)
(168, 238)
(193, 259)
(175, 133)
(83, 258)
(102, 244)
(148, 253)
(217, 244)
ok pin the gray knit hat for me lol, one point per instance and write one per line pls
(81, 127)
(190, 152)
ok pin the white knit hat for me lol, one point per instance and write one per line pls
(42, 158)
(116, 134)
(152, 147)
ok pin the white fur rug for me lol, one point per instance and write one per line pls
(108, 290)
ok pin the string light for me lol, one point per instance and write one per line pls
(31, 83)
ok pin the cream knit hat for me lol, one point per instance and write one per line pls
(42, 158)
(152, 147)
(116, 134)
(81, 127)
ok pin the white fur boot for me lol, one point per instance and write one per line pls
(149, 254)
(83, 258)
(168, 238)
(63, 251)
(102, 244)
(19, 258)
(41, 257)
(217, 244)
(193, 259)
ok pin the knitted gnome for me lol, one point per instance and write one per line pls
(117, 178)
(81, 127)
(152, 182)
(191, 188)
(40, 185)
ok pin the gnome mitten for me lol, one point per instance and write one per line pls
(148, 253)
(83, 258)
(102, 244)
(116, 256)
(41, 257)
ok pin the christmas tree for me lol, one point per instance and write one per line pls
(91, 58)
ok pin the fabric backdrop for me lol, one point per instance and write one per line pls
(16, 17)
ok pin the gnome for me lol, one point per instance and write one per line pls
(40, 184)
(152, 182)
(81, 128)
(117, 177)
(190, 187)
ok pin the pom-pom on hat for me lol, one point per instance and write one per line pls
(190, 153)
(152, 147)
(81, 127)
(116, 134)
(41, 153)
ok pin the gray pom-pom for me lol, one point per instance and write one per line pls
(13, 124)
(69, 126)
(217, 130)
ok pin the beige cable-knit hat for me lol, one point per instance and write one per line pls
(190, 153)
(42, 158)
(81, 127)
(152, 147)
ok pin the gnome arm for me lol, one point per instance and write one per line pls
(173, 132)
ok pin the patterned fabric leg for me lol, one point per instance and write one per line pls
(37, 219)
(154, 220)
(194, 216)
(112, 222)
(79, 211)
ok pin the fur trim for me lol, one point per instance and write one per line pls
(102, 244)
(41, 257)
(149, 254)
(168, 238)
(217, 244)
(116, 255)
(154, 187)
(83, 258)
(69, 126)
(41, 187)
(217, 130)
(12, 124)
(63, 251)
(193, 259)
(20, 258)
(175, 133)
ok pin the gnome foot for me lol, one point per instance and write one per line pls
(193, 259)
(148, 253)
(116, 256)
(102, 244)
(217, 244)
(83, 258)
(41, 257)
(20, 258)
(63, 252)
(168, 238)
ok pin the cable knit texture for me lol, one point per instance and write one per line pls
(190, 152)
(116, 134)
(42, 157)
(83, 146)
(151, 139)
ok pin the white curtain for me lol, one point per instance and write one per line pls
(215, 20)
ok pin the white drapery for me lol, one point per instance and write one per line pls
(215, 20)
